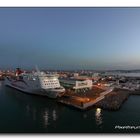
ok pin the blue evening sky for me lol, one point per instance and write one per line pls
(70, 38)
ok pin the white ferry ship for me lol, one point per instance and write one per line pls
(38, 83)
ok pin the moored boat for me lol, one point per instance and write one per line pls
(38, 83)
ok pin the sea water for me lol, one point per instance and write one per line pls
(23, 113)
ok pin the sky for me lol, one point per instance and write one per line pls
(70, 38)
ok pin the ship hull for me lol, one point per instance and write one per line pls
(51, 93)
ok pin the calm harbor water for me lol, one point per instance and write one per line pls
(21, 112)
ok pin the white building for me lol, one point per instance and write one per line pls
(75, 74)
(83, 84)
(76, 84)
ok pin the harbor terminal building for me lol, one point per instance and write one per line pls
(76, 84)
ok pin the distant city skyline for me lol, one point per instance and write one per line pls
(70, 38)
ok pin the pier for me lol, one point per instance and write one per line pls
(81, 102)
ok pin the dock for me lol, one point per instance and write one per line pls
(83, 102)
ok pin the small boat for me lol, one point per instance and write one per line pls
(37, 83)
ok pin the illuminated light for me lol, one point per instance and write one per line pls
(99, 84)
(98, 110)
(98, 116)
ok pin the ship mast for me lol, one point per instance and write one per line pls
(37, 70)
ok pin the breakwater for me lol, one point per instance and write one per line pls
(114, 100)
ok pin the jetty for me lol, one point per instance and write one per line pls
(82, 101)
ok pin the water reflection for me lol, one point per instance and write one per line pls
(54, 115)
(34, 114)
(43, 114)
(98, 116)
(36, 108)
(31, 112)
(46, 118)
(84, 115)
(27, 109)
